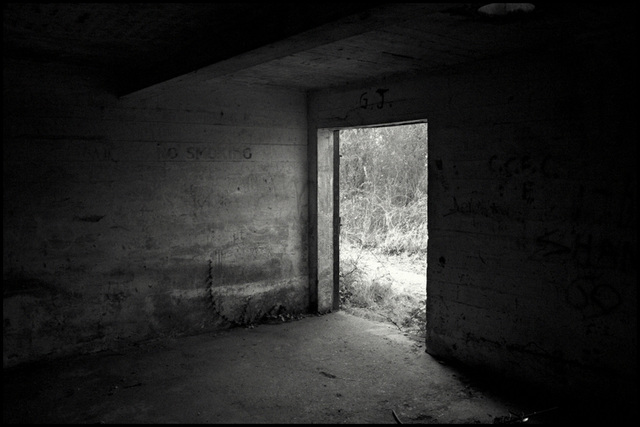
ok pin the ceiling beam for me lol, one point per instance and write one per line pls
(358, 23)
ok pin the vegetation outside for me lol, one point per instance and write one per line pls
(383, 209)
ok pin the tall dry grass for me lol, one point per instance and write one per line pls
(383, 188)
(373, 222)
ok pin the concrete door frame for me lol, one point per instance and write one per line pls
(323, 269)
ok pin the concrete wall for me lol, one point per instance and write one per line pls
(126, 219)
(532, 209)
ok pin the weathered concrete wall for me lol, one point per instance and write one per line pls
(126, 219)
(532, 209)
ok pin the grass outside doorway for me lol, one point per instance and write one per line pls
(383, 238)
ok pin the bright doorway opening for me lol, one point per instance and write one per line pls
(383, 230)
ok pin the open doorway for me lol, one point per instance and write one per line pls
(382, 205)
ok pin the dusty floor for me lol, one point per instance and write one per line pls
(335, 368)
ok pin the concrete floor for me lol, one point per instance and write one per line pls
(336, 368)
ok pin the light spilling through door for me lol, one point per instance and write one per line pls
(383, 223)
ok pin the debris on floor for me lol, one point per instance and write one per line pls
(522, 418)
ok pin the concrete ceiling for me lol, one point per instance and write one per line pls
(146, 48)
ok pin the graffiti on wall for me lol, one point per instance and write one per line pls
(594, 244)
(593, 296)
(587, 251)
(202, 153)
(585, 229)
(548, 166)
(598, 265)
(472, 207)
(97, 152)
(371, 100)
(523, 172)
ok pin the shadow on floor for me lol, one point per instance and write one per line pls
(336, 368)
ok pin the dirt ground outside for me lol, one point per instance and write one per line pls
(383, 287)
